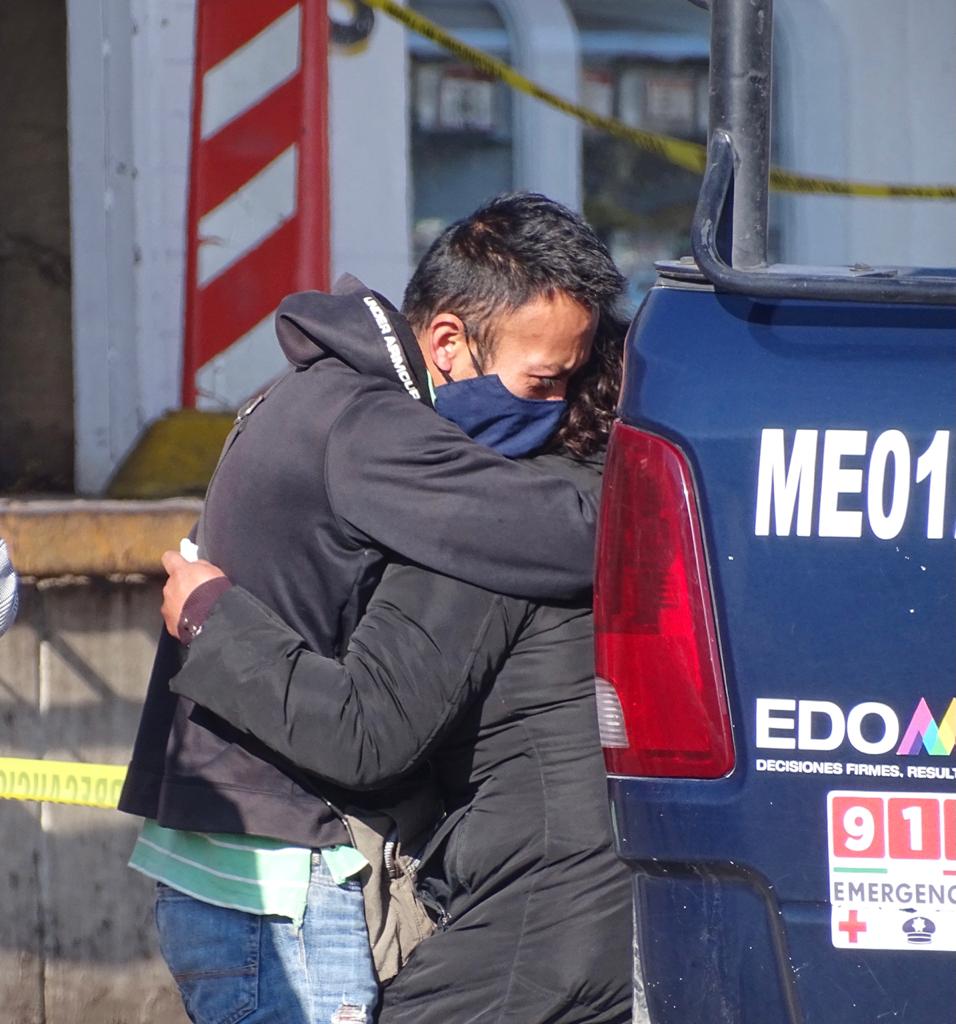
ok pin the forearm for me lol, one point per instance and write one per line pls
(427, 492)
(366, 720)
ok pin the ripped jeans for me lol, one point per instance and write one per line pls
(234, 967)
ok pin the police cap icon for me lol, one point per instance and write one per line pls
(919, 929)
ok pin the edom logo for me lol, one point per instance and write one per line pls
(923, 731)
(872, 727)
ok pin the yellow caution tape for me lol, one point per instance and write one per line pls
(61, 782)
(790, 181)
(689, 155)
(692, 156)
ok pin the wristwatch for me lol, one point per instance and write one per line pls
(188, 630)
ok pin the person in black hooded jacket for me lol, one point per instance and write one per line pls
(342, 466)
(497, 694)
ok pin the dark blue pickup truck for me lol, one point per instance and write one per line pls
(775, 614)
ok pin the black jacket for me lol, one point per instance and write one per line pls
(499, 694)
(342, 464)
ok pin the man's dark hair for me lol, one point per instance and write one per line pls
(517, 248)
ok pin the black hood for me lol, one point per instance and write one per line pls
(357, 326)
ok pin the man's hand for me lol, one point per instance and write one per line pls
(184, 577)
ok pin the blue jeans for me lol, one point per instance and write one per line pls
(231, 966)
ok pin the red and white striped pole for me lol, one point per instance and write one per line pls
(258, 212)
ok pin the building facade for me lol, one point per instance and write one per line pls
(94, 245)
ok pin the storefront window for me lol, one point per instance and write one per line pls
(461, 120)
(645, 64)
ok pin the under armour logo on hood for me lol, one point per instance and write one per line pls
(357, 326)
(391, 343)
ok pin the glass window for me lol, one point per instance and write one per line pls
(461, 120)
(646, 64)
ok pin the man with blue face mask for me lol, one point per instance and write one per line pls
(510, 395)
(524, 351)
(512, 317)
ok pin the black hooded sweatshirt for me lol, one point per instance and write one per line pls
(340, 467)
(498, 695)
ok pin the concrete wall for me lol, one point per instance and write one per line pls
(77, 944)
(36, 383)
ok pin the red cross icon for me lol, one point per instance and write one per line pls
(852, 926)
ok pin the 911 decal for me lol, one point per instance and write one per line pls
(834, 488)
(892, 860)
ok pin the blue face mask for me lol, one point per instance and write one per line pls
(491, 415)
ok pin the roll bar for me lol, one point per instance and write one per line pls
(729, 231)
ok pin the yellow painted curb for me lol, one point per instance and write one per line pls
(176, 455)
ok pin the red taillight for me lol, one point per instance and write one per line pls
(662, 703)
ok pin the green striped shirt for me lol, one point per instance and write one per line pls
(250, 873)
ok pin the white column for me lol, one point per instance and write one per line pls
(547, 143)
(101, 216)
(369, 158)
(164, 42)
(130, 78)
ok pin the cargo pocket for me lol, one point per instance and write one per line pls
(213, 955)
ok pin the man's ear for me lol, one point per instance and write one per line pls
(446, 339)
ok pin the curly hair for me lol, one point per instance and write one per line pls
(593, 392)
(514, 249)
